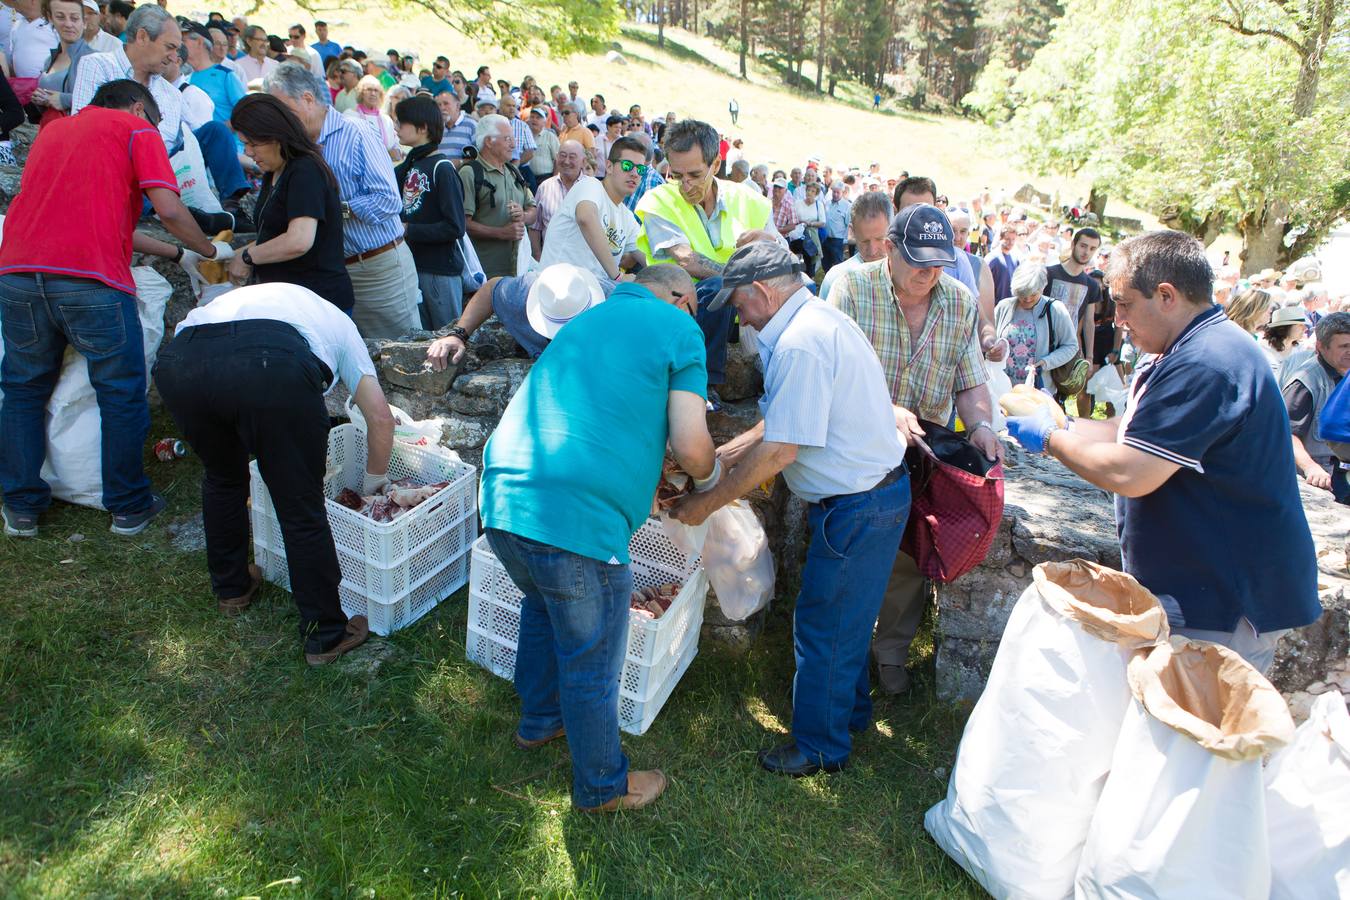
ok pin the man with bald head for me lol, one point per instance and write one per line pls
(568, 162)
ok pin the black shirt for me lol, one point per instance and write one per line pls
(301, 191)
(1076, 292)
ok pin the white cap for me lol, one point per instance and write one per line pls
(559, 294)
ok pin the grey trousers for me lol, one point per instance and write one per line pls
(387, 296)
(1257, 648)
(902, 608)
(442, 299)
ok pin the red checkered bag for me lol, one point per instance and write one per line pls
(956, 507)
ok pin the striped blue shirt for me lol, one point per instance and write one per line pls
(365, 178)
(824, 391)
(524, 138)
(457, 137)
(653, 179)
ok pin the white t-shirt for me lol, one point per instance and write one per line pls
(331, 334)
(564, 242)
(33, 44)
(103, 42)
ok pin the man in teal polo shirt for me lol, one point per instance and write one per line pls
(568, 478)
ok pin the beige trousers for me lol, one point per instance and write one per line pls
(386, 294)
(902, 609)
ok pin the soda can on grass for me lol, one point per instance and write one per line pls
(170, 449)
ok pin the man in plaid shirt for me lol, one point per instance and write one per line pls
(924, 326)
(784, 208)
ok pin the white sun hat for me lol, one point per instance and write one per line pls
(559, 294)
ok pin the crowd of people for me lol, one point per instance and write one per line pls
(624, 253)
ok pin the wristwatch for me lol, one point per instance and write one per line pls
(456, 331)
(984, 423)
(246, 257)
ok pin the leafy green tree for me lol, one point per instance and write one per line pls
(563, 26)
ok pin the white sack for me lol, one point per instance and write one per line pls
(1038, 745)
(1308, 807)
(1183, 811)
(999, 384)
(1106, 387)
(189, 168)
(74, 465)
(737, 559)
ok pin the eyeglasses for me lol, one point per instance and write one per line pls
(627, 165)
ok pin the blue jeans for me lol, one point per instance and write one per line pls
(41, 314)
(573, 636)
(442, 299)
(854, 539)
(716, 328)
(221, 156)
(833, 250)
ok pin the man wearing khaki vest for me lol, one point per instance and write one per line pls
(693, 222)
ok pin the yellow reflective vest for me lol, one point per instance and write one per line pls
(744, 208)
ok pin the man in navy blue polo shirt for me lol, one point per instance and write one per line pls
(1202, 462)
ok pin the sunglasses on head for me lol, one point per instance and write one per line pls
(627, 165)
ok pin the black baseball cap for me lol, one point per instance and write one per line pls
(756, 261)
(923, 233)
(189, 27)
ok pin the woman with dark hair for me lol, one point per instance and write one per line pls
(299, 214)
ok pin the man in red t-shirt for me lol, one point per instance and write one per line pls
(65, 278)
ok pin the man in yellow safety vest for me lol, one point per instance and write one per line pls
(693, 221)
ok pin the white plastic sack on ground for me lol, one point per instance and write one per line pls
(1037, 747)
(1308, 807)
(1106, 387)
(738, 562)
(189, 168)
(999, 384)
(1183, 812)
(419, 433)
(74, 466)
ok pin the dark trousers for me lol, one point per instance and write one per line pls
(716, 328)
(254, 387)
(222, 158)
(833, 249)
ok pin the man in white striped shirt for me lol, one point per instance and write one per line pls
(379, 263)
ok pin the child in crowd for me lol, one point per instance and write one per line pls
(433, 210)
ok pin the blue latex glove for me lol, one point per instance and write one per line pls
(1031, 431)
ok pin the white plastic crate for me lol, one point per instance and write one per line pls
(384, 616)
(385, 545)
(655, 561)
(372, 580)
(658, 650)
(635, 714)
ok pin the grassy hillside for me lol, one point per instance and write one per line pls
(695, 78)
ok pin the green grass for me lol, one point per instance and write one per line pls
(151, 747)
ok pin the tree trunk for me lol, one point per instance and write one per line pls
(745, 32)
(1263, 238)
(661, 23)
(1097, 202)
(820, 47)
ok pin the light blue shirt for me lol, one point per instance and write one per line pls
(836, 272)
(836, 218)
(824, 391)
(223, 87)
(365, 178)
(575, 460)
(964, 272)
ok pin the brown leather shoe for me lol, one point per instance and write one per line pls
(893, 680)
(530, 745)
(643, 789)
(357, 632)
(233, 606)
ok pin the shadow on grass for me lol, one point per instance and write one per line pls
(150, 747)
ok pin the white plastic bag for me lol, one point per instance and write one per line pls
(1183, 813)
(1308, 807)
(999, 384)
(525, 261)
(472, 275)
(74, 465)
(1106, 387)
(1039, 742)
(419, 433)
(688, 539)
(738, 562)
(189, 168)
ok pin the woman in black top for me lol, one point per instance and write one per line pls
(299, 215)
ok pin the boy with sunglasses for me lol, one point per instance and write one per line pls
(593, 228)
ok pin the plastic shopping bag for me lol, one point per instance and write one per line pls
(74, 464)
(999, 384)
(1183, 813)
(1039, 742)
(419, 433)
(1308, 807)
(688, 539)
(471, 276)
(1106, 387)
(738, 562)
(189, 168)
(525, 261)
